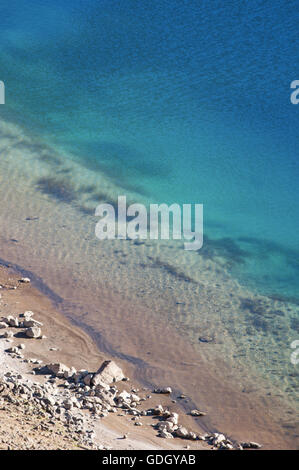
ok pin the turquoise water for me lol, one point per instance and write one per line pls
(181, 101)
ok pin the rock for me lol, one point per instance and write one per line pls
(11, 321)
(203, 437)
(173, 418)
(197, 413)
(49, 400)
(108, 372)
(218, 439)
(182, 432)
(165, 390)
(8, 334)
(68, 404)
(205, 339)
(165, 434)
(158, 411)
(226, 446)
(124, 397)
(25, 280)
(135, 398)
(167, 426)
(87, 379)
(33, 332)
(251, 445)
(100, 387)
(106, 397)
(58, 369)
(70, 373)
(3, 325)
(79, 376)
(28, 314)
(13, 350)
(30, 323)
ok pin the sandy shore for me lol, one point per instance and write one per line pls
(67, 344)
(70, 345)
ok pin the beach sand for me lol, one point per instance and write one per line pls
(76, 348)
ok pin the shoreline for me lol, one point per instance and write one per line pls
(65, 343)
(27, 297)
(147, 305)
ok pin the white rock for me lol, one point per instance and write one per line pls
(33, 332)
(173, 418)
(8, 334)
(197, 413)
(109, 372)
(30, 323)
(28, 314)
(218, 438)
(11, 321)
(182, 432)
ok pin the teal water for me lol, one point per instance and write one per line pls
(173, 102)
(183, 102)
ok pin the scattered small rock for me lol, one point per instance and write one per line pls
(25, 280)
(197, 413)
(165, 390)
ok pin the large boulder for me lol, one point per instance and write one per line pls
(109, 372)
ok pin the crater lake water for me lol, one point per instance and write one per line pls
(176, 101)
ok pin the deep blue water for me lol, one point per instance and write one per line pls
(184, 100)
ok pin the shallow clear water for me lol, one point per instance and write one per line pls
(173, 102)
